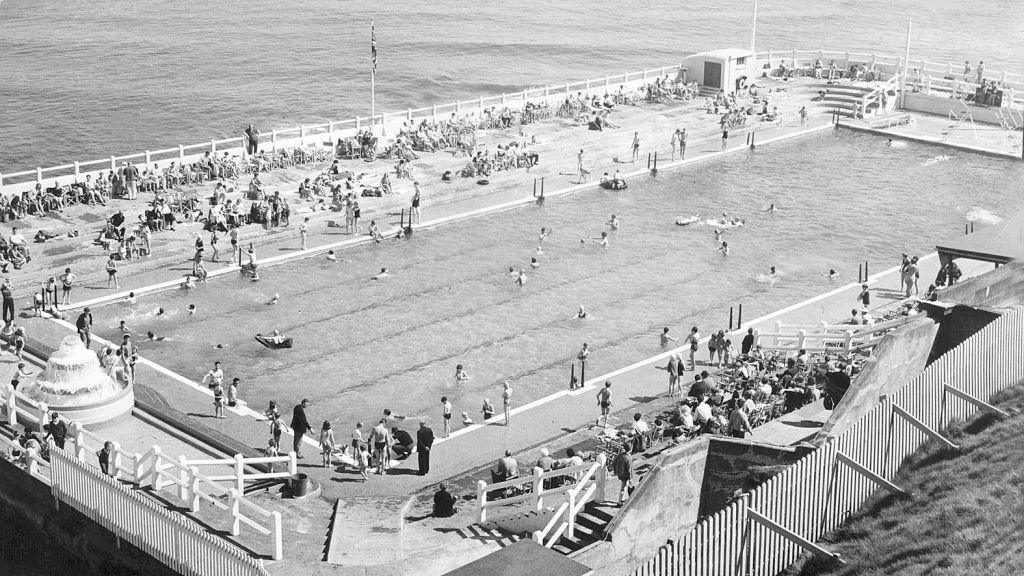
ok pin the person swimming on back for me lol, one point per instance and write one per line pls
(381, 275)
(613, 223)
(534, 264)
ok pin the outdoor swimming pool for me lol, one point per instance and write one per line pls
(363, 345)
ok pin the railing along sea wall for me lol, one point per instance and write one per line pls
(328, 132)
(764, 531)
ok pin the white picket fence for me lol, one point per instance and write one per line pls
(167, 536)
(157, 470)
(763, 532)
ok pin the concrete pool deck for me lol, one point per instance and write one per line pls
(534, 423)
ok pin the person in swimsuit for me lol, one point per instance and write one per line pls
(604, 400)
(544, 233)
(533, 263)
(234, 244)
(461, 376)
(636, 146)
(67, 281)
(693, 339)
(613, 223)
(665, 338)
(382, 275)
(446, 413)
(521, 278)
(602, 240)
(506, 400)
(582, 314)
(724, 248)
(303, 233)
(112, 272)
(415, 215)
(214, 236)
(331, 257)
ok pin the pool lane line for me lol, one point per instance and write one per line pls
(432, 224)
(594, 383)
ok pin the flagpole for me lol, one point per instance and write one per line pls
(373, 83)
(906, 66)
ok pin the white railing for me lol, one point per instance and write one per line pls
(763, 532)
(531, 488)
(166, 536)
(878, 95)
(36, 466)
(155, 469)
(18, 406)
(239, 464)
(314, 134)
(825, 337)
(935, 76)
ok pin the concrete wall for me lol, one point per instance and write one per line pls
(38, 538)
(664, 506)
(942, 105)
(958, 324)
(898, 359)
(733, 463)
(1000, 288)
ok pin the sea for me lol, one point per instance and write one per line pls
(86, 79)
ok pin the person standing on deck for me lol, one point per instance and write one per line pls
(865, 295)
(803, 116)
(303, 233)
(693, 339)
(252, 140)
(725, 139)
(506, 400)
(674, 142)
(682, 144)
(67, 281)
(424, 442)
(7, 289)
(580, 169)
(604, 401)
(414, 216)
(300, 425)
(635, 147)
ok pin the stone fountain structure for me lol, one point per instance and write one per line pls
(74, 385)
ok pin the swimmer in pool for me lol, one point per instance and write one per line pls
(718, 234)
(831, 273)
(602, 241)
(191, 309)
(544, 233)
(534, 264)
(159, 312)
(724, 248)
(131, 298)
(188, 284)
(582, 314)
(255, 276)
(511, 272)
(274, 300)
(771, 208)
(521, 278)
(613, 223)
(382, 275)
(154, 338)
(539, 251)
(888, 142)
(276, 337)
(773, 273)
(331, 256)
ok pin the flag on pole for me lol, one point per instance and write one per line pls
(373, 47)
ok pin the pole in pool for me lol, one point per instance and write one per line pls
(648, 160)
(654, 170)
(534, 187)
(401, 222)
(542, 186)
(739, 319)
(730, 317)
(866, 271)
(752, 141)
(860, 272)
(572, 377)
(965, 229)
(583, 373)
(972, 227)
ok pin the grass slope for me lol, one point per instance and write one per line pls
(966, 516)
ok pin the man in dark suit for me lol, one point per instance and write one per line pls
(425, 439)
(300, 425)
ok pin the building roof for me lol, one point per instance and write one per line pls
(1000, 243)
(727, 53)
(524, 558)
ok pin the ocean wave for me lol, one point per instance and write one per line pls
(976, 214)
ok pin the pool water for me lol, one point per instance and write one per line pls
(363, 345)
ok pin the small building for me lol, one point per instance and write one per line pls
(524, 558)
(724, 69)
